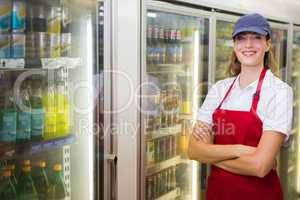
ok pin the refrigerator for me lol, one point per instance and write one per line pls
(52, 99)
(293, 152)
(174, 82)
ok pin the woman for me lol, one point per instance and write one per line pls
(244, 120)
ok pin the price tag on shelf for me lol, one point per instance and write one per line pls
(12, 63)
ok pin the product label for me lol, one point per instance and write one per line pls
(37, 121)
(9, 130)
(54, 20)
(24, 125)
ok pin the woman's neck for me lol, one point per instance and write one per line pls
(249, 75)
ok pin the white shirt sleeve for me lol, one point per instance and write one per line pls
(279, 111)
(209, 105)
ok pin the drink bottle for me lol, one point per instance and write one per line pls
(57, 188)
(26, 189)
(8, 190)
(37, 112)
(41, 181)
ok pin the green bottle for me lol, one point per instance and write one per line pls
(57, 189)
(12, 168)
(41, 181)
(37, 113)
(9, 119)
(8, 190)
(26, 189)
(24, 117)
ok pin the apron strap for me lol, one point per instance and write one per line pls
(256, 95)
(227, 93)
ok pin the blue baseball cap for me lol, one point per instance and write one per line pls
(252, 23)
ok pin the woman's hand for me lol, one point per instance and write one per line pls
(201, 131)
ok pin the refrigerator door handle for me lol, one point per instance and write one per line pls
(112, 158)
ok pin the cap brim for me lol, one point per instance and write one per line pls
(249, 29)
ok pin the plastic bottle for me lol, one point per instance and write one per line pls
(8, 190)
(24, 117)
(62, 110)
(41, 181)
(26, 189)
(57, 188)
(50, 111)
(37, 112)
(9, 119)
(12, 169)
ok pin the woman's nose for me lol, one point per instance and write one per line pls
(248, 42)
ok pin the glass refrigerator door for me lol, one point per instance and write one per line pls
(279, 47)
(224, 48)
(176, 74)
(47, 70)
(293, 180)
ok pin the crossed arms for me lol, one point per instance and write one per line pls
(235, 158)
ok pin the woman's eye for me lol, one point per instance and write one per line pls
(258, 37)
(240, 38)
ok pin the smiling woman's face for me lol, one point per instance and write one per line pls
(250, 48)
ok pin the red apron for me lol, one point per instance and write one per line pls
(240, 127)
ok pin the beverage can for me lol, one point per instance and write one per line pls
(150, 152)
(154, 186)
(54, 20)
(157, 150)
(52, 45)
(18, 45)
(162, 145)
(5, 15)
(4, 46)
(149, 195)
(66, 42)
(18, 16)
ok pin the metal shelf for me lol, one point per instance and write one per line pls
(170, 195)
(43, 63)
(163, 165)
(18, 150)
(162, 132)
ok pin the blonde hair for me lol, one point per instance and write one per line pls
(234, 67)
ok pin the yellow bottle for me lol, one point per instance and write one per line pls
(50, 113)
(62, 112)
